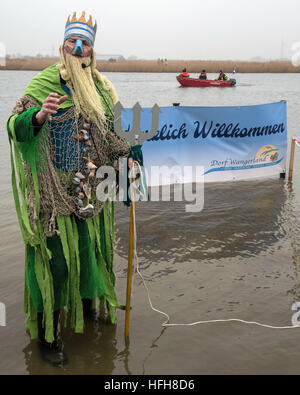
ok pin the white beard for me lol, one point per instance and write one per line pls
(84, 93)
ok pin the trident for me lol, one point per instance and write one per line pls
(134, 137)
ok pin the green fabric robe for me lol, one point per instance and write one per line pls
(77, 263)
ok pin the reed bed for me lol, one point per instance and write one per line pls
(196, 66)
(28, 64)
(171, 66)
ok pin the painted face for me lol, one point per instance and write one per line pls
(78, 50)
(71, 48)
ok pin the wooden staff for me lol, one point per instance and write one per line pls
(292, 155)
(129, 270)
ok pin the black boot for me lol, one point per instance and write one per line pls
(51, 352)
(88, 311)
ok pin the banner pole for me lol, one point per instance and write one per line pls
(129, 271)
(292, 155)
(135, 137)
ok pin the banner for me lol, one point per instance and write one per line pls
(229, 143)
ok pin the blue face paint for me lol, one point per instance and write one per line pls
(78, 50)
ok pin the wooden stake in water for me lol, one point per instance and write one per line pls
(129, 270)
(134, 137)
(292, 155)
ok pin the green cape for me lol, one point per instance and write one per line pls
(55, 273)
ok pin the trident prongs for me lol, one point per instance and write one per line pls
(135, 136)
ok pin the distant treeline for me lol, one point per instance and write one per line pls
(171, 66)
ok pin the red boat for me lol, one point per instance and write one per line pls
(197, 82)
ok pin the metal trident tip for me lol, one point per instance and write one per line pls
(135, 136)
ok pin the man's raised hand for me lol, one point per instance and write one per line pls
(49, 107)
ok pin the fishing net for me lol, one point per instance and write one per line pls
(66, 146)
(68, 256)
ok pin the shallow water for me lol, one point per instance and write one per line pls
(238, 258)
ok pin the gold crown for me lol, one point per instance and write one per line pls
(82, 20)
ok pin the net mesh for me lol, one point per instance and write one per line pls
(66, 147)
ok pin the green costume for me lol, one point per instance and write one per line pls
(68, 258)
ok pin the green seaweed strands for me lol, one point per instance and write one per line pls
(83, 249)
(33, 238)
(97, 232)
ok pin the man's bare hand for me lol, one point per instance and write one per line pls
(130, 163)
(49, 107)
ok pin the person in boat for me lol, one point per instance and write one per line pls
(184, 73)
(62, 131)
(203, 75)
(222, 76)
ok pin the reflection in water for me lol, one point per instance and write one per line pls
(124, 355)
(238, 220)
(152, 348)
(294, 231)
(93, 352)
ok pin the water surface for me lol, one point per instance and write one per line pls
(238, 258)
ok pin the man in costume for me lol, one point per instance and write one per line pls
(60, 132)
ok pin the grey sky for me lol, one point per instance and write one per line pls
(149, 29)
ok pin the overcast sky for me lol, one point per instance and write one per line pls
(151, 29)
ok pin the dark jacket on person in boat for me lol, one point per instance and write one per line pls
(203, 75)
(222, 76)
